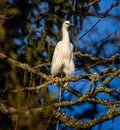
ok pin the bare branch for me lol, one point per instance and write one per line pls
(106, 13)
(23, 66)
(69, 121)
(90, 29)
(4, 17)
(97, 60)
(72, 122)
(93, 2)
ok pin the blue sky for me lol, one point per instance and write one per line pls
(104, 27)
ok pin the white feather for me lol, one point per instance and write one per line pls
(63, 54)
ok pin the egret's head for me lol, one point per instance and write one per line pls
(67, 24)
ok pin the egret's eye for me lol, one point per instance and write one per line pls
(67, 23)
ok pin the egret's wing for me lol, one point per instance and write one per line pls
(57, 62)
(69, 64)
(71, 52)
(56, 53)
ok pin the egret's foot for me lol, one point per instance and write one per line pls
(65, 79)
(65, 84)
(57, 80)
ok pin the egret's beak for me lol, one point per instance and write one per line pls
(72, 25)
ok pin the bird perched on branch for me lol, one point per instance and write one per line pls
(62, 60)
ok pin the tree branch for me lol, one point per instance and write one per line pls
(72, 122)
(115, 57)
(106, 13)
(23, 66)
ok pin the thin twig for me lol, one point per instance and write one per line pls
(89, 29)
(106, 13)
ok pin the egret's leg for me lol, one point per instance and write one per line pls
(57, 80)
(66, 78)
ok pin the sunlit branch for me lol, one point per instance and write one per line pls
(37, 88)
(93, 2)
(106, 90)
(72, 122)
(87, 98)
(41, 65)
(95, 99)
(92, 77)
(115, 57)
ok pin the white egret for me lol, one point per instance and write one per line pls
(62, 60)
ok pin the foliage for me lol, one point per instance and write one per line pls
(29, 30)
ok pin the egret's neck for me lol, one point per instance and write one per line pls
(65, 36)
